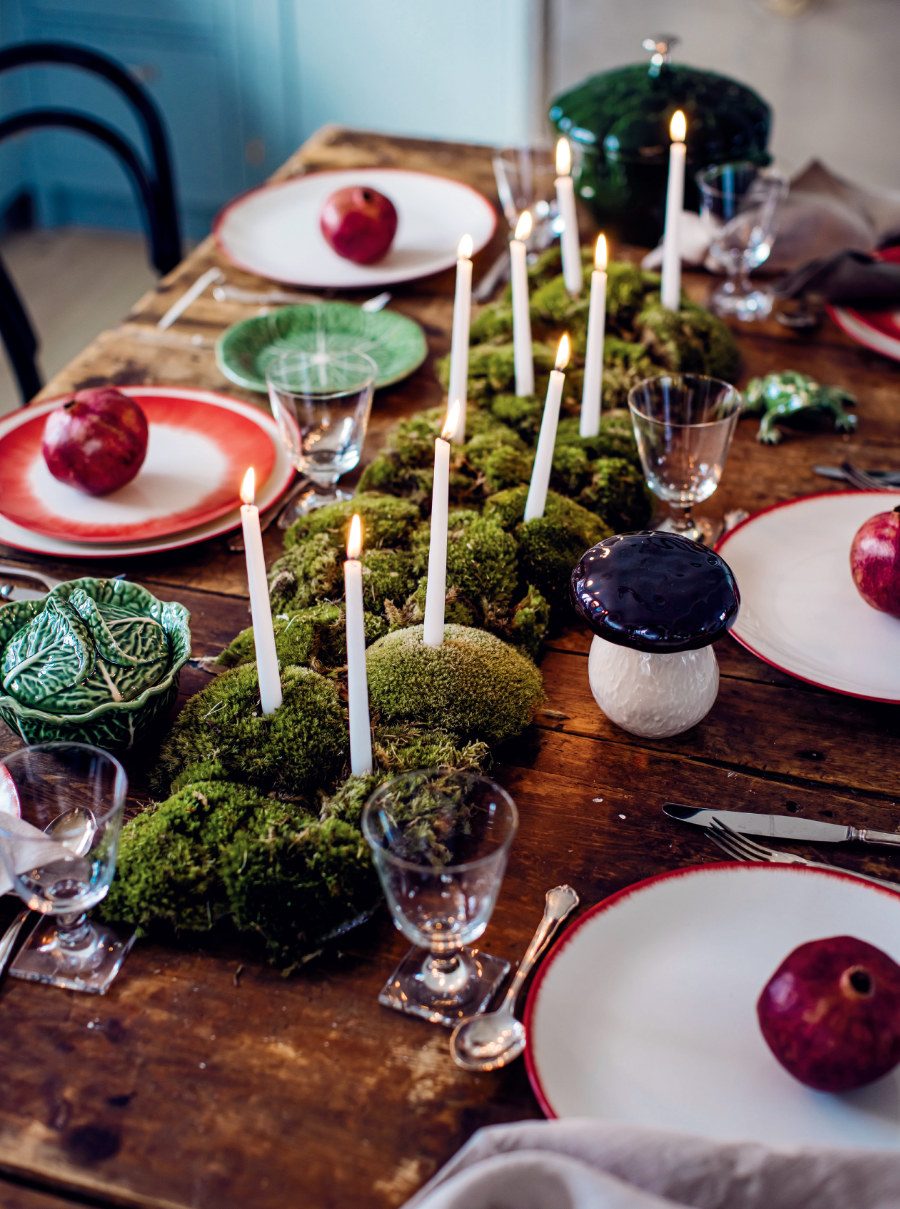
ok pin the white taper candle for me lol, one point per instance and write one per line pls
(671, 265)
(518, 276)
(565, 199)
(436, 589)
(592, 394)
(357, 683)
(459, 340)
(543, 454)
(260, 606)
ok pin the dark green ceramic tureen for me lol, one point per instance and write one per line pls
(96, 660)
(618, 123)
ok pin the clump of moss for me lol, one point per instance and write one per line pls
(492, 368)
(290, 752)
(551, 545)
(315, 637)
(473, 684)
(296, 883)
(617, 492)
(403, 748)
(390, 473)
(522, 413)
(168, 862)
(387, 521)
(690, 340)
(493, 323)
(614, 440)
(313, 570)
(530, 622)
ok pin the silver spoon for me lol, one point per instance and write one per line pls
(496, 1038)
(75, 829)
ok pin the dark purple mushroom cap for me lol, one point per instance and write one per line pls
(655, 592)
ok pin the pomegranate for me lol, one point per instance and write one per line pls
(359, 223)
(831, 1013)
(875, 561)
(97, 441)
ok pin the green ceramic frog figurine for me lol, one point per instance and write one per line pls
(76, 654)
(782, 396)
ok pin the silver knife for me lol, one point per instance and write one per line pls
(780, 826)
(12, 592)
(890, 478)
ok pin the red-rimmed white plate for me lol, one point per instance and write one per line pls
(800, 611)
(278, 482)
(200, 445)
(878, 330)
(644, 1013)
(274, 231)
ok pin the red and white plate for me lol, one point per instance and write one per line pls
(274, 231)
(644, 1013)
(278, 482)
(200, 445)
(800, 610)
(878, 330)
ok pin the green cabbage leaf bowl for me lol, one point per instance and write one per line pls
(96, 661)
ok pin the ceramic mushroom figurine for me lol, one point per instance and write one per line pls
(656, 602)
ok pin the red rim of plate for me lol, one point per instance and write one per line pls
(227, 524)
(219, 220)
(531, 1064)
(160, 526)
(723, 541)
(874, 329)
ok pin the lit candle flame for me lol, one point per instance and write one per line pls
(678, 127)
(464, 251)
(562, 353)
(563, 157)
(523, 226)
(354, 538)
(248, 486)
(601, 254)
(448, 432)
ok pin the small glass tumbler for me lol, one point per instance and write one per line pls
(76, 795)
(683, 424)
(321, 403)
(740, 203)
(440, 840)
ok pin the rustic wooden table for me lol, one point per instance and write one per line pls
(205, 1079)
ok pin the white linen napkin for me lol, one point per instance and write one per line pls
(582, 1164)
(28, 848)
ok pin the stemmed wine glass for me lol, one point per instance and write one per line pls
(526, 180)
(321, 403)
(683, 424)
(440, 841)
(76, 795)
(740, 203)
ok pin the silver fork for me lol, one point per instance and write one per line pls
(740, 848)
(859, 478)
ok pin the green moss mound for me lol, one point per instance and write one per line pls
(386, 520)
(315, 637)
(292, 752)
(474, 685)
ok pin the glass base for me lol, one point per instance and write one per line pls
(90, 967)
(698, 530)
(308, 502)
(465, 990)
(731, 300)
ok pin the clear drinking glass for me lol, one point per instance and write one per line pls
(526, 180)
(76, 794)
(440, 841)
(321, 403)
(683, 424)
(740, 205)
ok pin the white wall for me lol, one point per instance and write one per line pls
(831, 75)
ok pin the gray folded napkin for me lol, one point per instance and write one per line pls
(827, 230)
(577, 1164)
(27, 847)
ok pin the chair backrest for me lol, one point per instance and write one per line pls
(151, 176)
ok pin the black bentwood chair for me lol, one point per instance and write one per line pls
(151, 178)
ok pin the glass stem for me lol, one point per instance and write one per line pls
(685, 520)
(445, 975)
(73, 931)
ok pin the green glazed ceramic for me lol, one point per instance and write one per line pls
(396, 344)
(97, 661)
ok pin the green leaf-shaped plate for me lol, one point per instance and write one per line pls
(396, 344)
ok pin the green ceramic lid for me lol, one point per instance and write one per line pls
(395, 343)
(624, 113)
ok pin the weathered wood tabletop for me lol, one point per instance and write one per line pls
(205, 1079)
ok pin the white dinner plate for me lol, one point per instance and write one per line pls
(800, 610)
(12, 534)
(274, 231)
(645, 1011)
